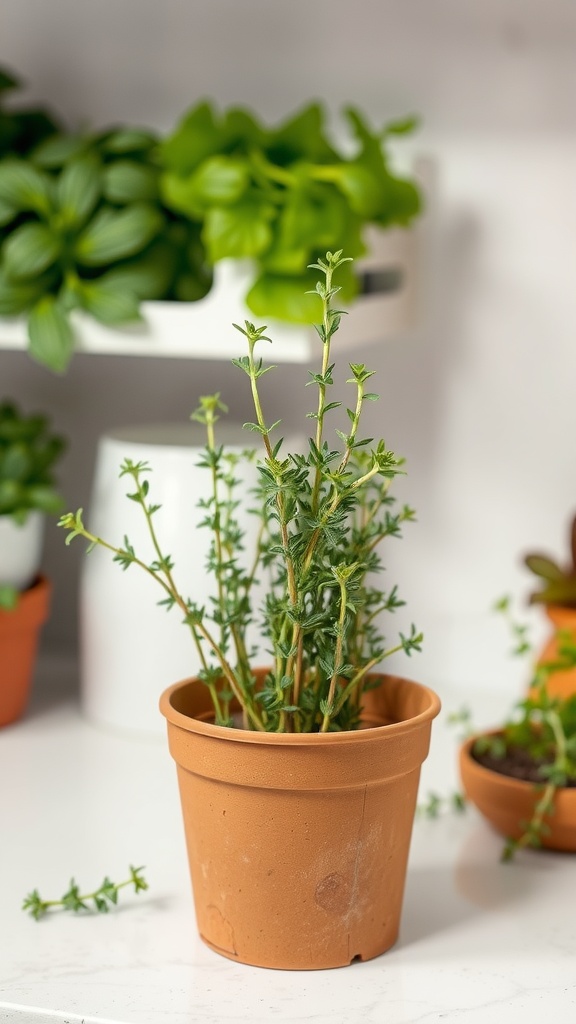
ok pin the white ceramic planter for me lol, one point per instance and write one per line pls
(20, 549)
(131, 648)
(203, 329)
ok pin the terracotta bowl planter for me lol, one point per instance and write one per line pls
(298, 843)
(19, 633)
(507, 802)
(559, 684)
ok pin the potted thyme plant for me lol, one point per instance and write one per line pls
(298, 780)
(28, 452)
(522, 776)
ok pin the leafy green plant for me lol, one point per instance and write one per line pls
(538, 742)
(100, 900)
(559, 585)
(322, 517)
(28, 452)
(85, 229)
(280, 195)
(98, 222)
(21, 129)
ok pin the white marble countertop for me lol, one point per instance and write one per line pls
(480, 941)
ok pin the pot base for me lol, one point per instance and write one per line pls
(290, 965)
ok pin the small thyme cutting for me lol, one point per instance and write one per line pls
(322, 517)
(100, 900)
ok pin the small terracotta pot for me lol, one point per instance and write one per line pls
(298, 843)
(559, 684)
(508, 802)
(19, 633)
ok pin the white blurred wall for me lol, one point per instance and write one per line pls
(481, 399)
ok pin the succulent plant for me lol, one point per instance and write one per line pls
(28, 451)
(559, 584)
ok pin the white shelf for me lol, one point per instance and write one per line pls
(203, 329)
(479, 940)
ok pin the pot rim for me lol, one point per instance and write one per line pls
(196, 725)
(498, 778)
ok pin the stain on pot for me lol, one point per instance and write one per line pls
(333, 894)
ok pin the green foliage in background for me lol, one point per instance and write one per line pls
(28, 452)
(84, 228)
(558, 584)
(280, 195)
(98, 222)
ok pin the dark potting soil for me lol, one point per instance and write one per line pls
(517, 764)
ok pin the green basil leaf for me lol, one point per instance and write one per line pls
(30, 250)
(287, 298)
(197, 137)
(238, 231)
(116, 234)
(125, 181)
(44, 498)
(178, 196)
(220, 180)
(17, 296)
(240, 128)
(16, 462)
(127, 140)
(361, 186)
(7, 213)
(50, 333)
(109, 304)
(12, 496)
(78, 190)
(405, 126)
(313, 219)
(24, 188)
(402, 202)
(57, 150)
(301, 137)
(148, 276)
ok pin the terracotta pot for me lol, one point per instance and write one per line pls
(560, 684)
(19, 633)
(507, 802)
(298, 843)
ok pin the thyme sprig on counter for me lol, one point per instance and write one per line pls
(100, 900)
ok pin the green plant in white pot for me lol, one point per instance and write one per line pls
(93, 225)
(299, 780)
(278, 195)
(28, 452)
